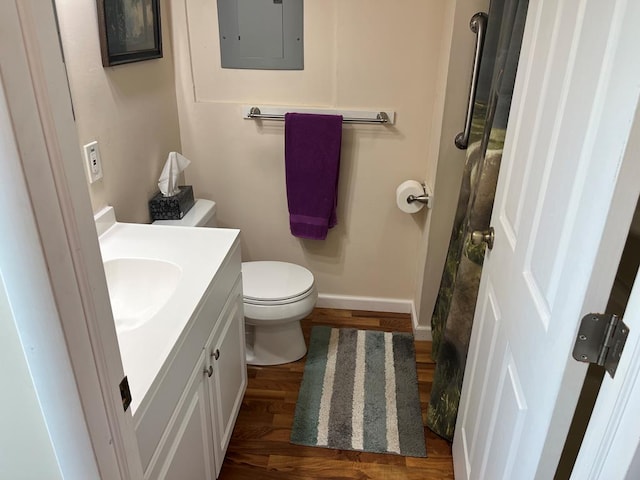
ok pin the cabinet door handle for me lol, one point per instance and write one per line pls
(215, 355)
(209, 371)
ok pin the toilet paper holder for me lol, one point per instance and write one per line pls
(425, 198)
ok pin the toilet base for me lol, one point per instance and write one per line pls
(275, 344)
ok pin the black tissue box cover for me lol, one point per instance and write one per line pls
(171, 208)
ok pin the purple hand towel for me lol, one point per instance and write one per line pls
(312, 162)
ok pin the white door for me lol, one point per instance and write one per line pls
(553, 259)
(612, 441)
(190, 453)
(228, 384)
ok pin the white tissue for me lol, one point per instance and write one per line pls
(168, 181)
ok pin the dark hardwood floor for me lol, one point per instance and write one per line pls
(260, 448)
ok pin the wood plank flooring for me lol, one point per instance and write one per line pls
(260, 449)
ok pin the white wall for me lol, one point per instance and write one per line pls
(412, 56)
(360, 54)
(129, 109)
(450, 164)
(26, 451)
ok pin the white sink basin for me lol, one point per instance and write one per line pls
(157, 277)
(139, 288)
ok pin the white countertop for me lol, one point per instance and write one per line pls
(199, 252)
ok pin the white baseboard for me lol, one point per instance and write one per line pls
(420, 332)
(376, 304)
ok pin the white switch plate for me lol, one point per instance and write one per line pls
(93, 161)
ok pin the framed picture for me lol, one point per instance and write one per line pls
(129, 31)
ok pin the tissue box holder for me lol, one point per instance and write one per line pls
(171, 208)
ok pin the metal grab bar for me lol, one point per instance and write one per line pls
(478, 25)
(381, 117)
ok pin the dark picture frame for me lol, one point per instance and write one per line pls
(129, 31)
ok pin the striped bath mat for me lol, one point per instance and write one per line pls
(360, 392)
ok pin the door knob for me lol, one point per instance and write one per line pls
(483, 236)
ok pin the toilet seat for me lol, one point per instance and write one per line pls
(277, 293)
(252, 301)
(275, 283)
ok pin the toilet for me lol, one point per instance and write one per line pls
(277, 295)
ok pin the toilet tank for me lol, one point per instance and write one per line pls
(202, 214)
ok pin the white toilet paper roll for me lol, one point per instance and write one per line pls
(406, 188)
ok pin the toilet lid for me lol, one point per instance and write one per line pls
(274, 281)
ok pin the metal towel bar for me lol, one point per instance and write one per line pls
(381, 117)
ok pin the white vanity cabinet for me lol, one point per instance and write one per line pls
(185, 421)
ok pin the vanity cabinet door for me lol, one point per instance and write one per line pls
(189, 452)
(229, 380)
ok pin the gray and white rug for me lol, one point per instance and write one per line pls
(360, 392)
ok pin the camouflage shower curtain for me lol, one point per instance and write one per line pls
(454, 310)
